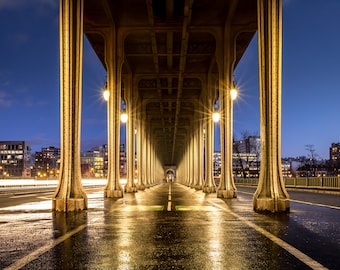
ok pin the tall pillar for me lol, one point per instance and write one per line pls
(69, 195)
(147, 153)
(226, 62)
(112, 188)
(191, 158)
(198, 148)
(130, 134)
(209, 186)
(140, 147)
(227, 188)
(271, 194)
(200, 154)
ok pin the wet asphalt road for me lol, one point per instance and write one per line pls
(171, 226)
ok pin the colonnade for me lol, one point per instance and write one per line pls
(195, 167)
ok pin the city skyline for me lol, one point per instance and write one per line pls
(29, 78)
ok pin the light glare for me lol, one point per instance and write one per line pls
(124, 117)
(233, 93)
(216, 116)
(106, 94)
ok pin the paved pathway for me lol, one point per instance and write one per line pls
(169, 226)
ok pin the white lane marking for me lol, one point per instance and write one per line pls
(22, 196)
(289, 248)
(317, 204)
(169, 198)
(169, 206)
(303, 202)
(35, 254)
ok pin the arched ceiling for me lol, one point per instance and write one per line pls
(170, 46)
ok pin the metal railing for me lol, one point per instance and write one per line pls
(322, 182)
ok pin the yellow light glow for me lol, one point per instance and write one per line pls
(123, 181)
(124, 117)
(216, 116)
(106, 94)
(233, 93)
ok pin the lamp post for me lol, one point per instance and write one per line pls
(106, 94)
(123, 117)
(233, 93)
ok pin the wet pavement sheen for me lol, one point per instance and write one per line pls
(170, 226)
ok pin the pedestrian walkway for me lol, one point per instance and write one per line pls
(169, 226)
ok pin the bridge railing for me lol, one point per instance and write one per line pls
(322, 182)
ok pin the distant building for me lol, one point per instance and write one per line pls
(47, 162)
(334, 152)
(102, 149)
(334, 159)
(122, 160)
(92, 164)
(15, 159)
(251, 144)
(217, 163)
(247, 157)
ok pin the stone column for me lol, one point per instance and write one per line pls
(140, 147)
(147, 153)
(226, 60)
(191, 157)
(200, 154)
(209, 186)
(112, 59)
(227, 188)
(271, 194)
(130, 134)
(69, 195)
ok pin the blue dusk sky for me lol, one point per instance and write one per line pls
(29, 78)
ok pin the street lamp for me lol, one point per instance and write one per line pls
(123, 117)
(106, 94)
(216, 116)
(233, 93)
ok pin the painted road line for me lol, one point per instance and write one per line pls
(317, 204)
(289, 248)
(22, 196)
(302, 202)
(169, 198)
(38, 252)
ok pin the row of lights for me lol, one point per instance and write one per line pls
(215, 116)
(233, 95)
(123, 116)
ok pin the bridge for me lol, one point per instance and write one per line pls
(166, 226)
(168, 63)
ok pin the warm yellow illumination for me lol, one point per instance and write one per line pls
(123, 117)
(123, 181)
(216, 116)
(233, 93)
(106, 94)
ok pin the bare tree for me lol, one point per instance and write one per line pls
(312, 155)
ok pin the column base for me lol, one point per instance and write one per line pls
(227, 194)
(198, 187)
(271, 205)
(208, 189)
(131, 189)
(69, 204)
(141, 187)
(113, 194)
